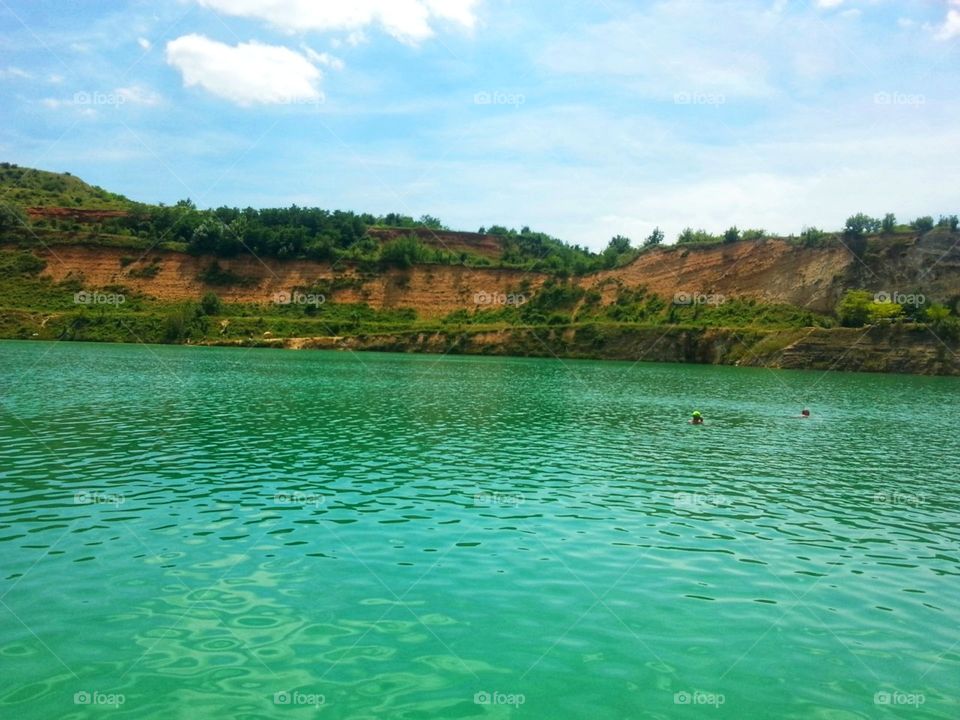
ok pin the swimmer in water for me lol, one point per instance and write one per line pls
(804, 413)
(697, 418)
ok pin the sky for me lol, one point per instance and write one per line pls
(583, 118)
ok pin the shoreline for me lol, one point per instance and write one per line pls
(893, 349)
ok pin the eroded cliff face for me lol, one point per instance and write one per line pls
(431, 290)
(770, 271)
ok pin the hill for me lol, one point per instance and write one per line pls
(29, 188)
(221, 276)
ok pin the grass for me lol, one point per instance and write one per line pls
(39, 188)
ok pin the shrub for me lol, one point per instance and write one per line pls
(853, 310)
(210, 304)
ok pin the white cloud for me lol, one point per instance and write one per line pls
(246, 74)
(829, 3)
(15, 72)
(407, 20)
(951, 26)
(325, 59)
(144, 43)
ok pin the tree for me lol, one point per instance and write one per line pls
(812, 236)
(210, 304)
(853, 310)
(654, 239)
(619, 244)
(731, 235)
(754, 234)
(883, 311)
(937, 314)
(923, 224)
(861, 224)
(403, 252)
(889, 223)
(11, 217)
(431, 222)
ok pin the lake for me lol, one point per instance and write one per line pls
(212, 533)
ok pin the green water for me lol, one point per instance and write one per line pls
(189, 532)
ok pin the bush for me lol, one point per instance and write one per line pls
(404, 252)
(923, 224)
(853, 310)
(210, 304)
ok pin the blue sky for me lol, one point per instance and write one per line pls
(583, 119)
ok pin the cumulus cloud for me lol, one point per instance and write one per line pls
(407, 20)
(247, 74)
(951, 26)
(144, 43)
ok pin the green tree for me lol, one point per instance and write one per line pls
(619, 244)
(11, 217)
(654, 239)
(812, 236)
(883, 311)
(861, 224)
(403, 252)
(210, 304)
(853, 310)
(923, 224)
(431, 222)
(937, 314)
(889, 223)
(731, 235)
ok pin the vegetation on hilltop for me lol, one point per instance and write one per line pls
(345, 236)
(25, 187)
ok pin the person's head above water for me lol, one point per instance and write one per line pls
(697, 414)
(805, 413)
